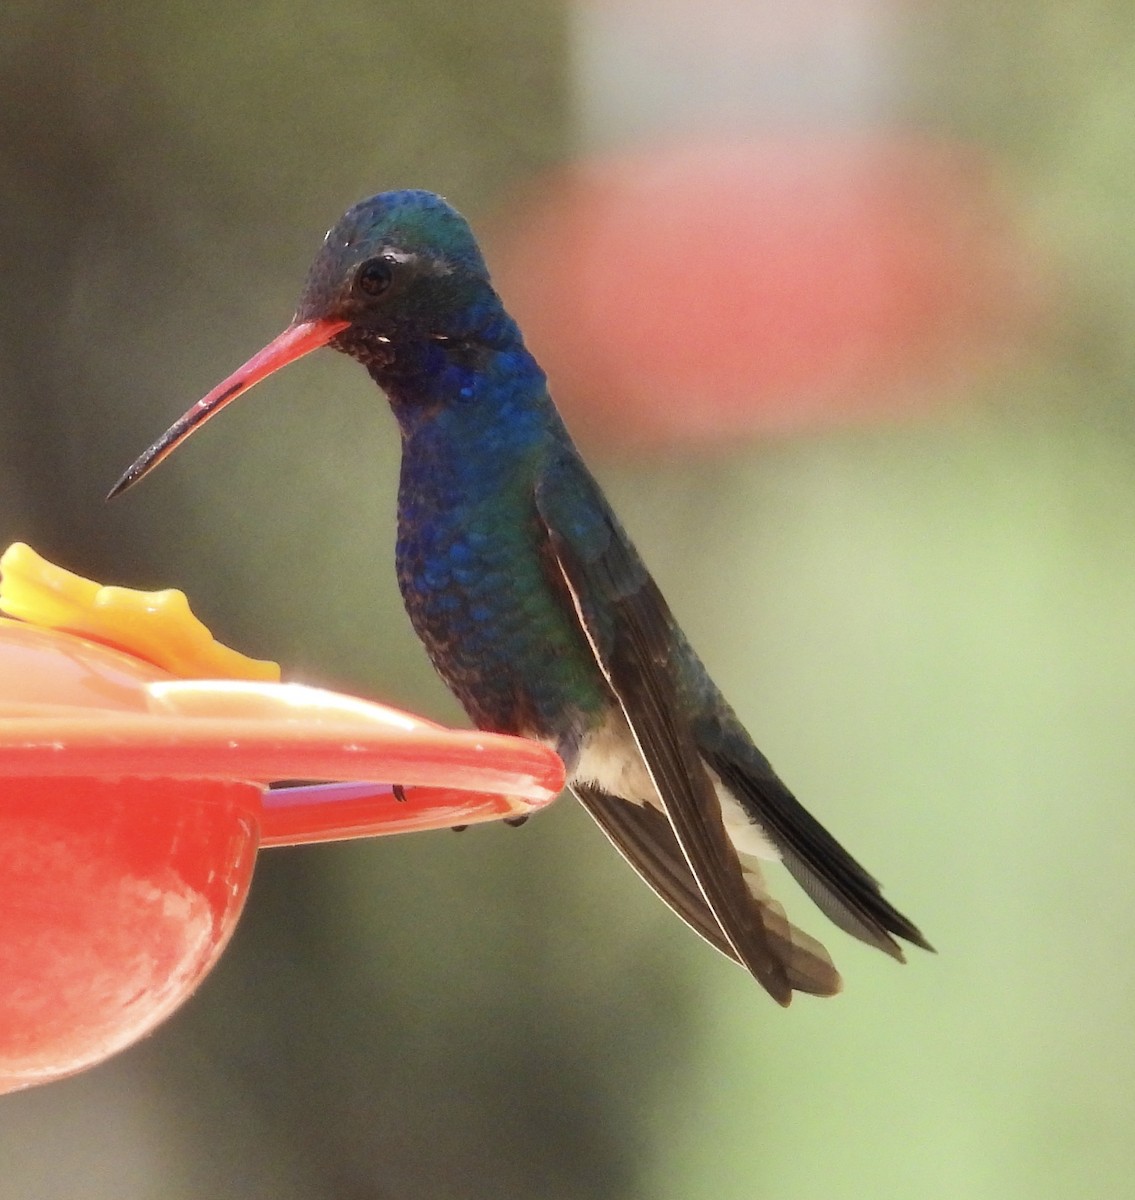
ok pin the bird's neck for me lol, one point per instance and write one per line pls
(485, 396)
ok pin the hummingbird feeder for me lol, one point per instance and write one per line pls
(135, 754)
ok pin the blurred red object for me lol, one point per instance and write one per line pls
(690, 295)
(131, 807)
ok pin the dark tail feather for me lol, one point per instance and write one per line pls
(643, 836)
(807, 964)
(846, 893)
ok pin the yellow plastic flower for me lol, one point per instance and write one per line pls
(156, 626)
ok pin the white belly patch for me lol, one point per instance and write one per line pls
(610, 759)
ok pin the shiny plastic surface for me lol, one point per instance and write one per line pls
(116, 897)
(131, 807)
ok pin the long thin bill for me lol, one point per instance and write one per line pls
(296, 341)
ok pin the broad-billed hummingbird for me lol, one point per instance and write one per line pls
(534, 605)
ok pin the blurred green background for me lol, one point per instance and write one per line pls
(928, 625)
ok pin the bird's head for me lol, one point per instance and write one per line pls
(399, 267)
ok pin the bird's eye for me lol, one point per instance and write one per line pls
(374, 276)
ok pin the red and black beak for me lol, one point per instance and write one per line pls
(298, 339)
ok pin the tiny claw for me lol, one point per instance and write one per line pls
(399, 792)
(459, 828)
(516, 822)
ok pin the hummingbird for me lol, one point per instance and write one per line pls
(536, 609)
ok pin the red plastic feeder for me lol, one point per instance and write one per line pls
(132, 804)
